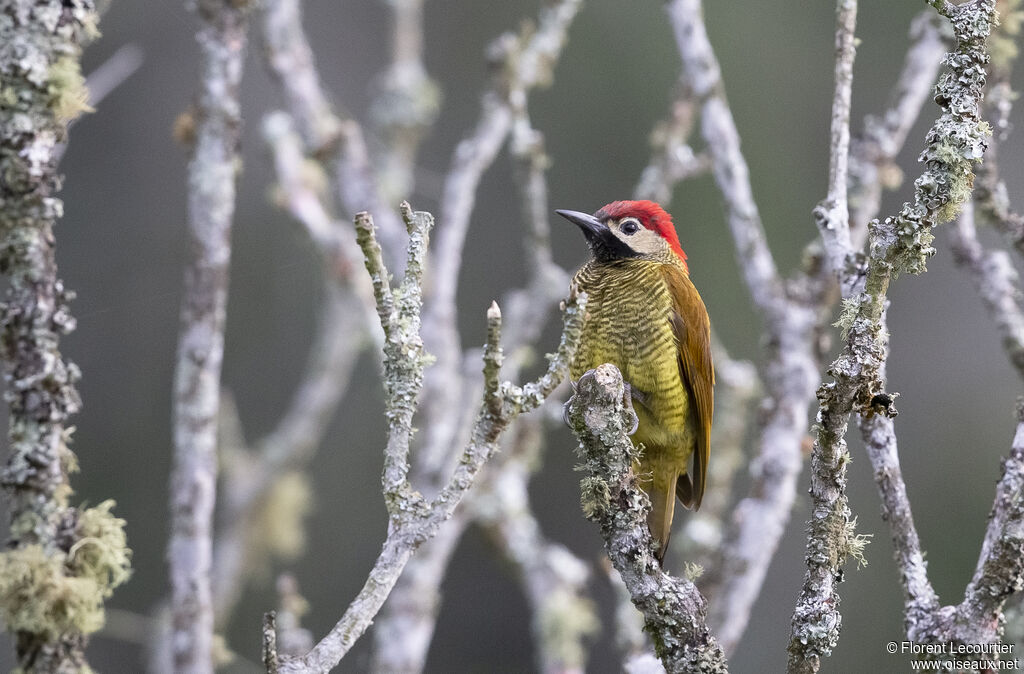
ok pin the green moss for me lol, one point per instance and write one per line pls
(65, 85)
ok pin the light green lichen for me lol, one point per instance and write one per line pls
(279, 529)
(101, 551)
(38, 596)
(65, 85)
(848, 314)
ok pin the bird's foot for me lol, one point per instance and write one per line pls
(627, 402)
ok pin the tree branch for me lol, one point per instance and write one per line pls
(900, 243)
(673, 609)
(833, 214)
(412, 518)
(290, 61)
(212, 173)
(520, 63)
(703, 76)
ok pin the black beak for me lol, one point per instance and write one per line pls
(591, 226)
(603, 243)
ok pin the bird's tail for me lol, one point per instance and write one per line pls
(663, 505)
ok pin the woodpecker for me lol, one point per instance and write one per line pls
(645, 316)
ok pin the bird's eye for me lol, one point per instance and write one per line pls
(629, 226)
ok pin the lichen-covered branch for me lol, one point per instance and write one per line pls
(875, 148)
(414, 519)
(60, 563)
(899, 244)
(1000, 568)
(211, 180)
(673, 609)
(410, 614)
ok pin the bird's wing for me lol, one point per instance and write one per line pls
(692, 330)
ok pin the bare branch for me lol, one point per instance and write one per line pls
(406, 102)
(121, 65)
(879, 437)
(212, 172)
(290, 60)
(413, 519)
(900, 243)
(832, 214)
(673, 609)
(521, 62)
(672, 159)
(703, 76)
(737, 386)
(996, 281)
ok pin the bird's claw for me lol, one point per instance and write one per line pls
(575, 386)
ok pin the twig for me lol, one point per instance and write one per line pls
(328, 136)
(996, 281)
(412, 518)
(406, 102)
(121, 65)
(673, 609)
(832, 214)
(212, 171)
(270, 642)
(879, 437)
(672, 159)
(521, 62)
(899, 244)
(878, 144)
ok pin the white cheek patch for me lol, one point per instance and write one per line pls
(645, 242)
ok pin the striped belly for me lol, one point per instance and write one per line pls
(628, 325)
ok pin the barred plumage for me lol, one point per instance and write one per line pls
(645, 317)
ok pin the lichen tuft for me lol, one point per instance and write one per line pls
(65, 85)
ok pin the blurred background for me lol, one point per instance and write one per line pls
(121, 248)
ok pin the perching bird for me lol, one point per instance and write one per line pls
(644, 316)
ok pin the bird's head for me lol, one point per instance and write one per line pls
(628, 229)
